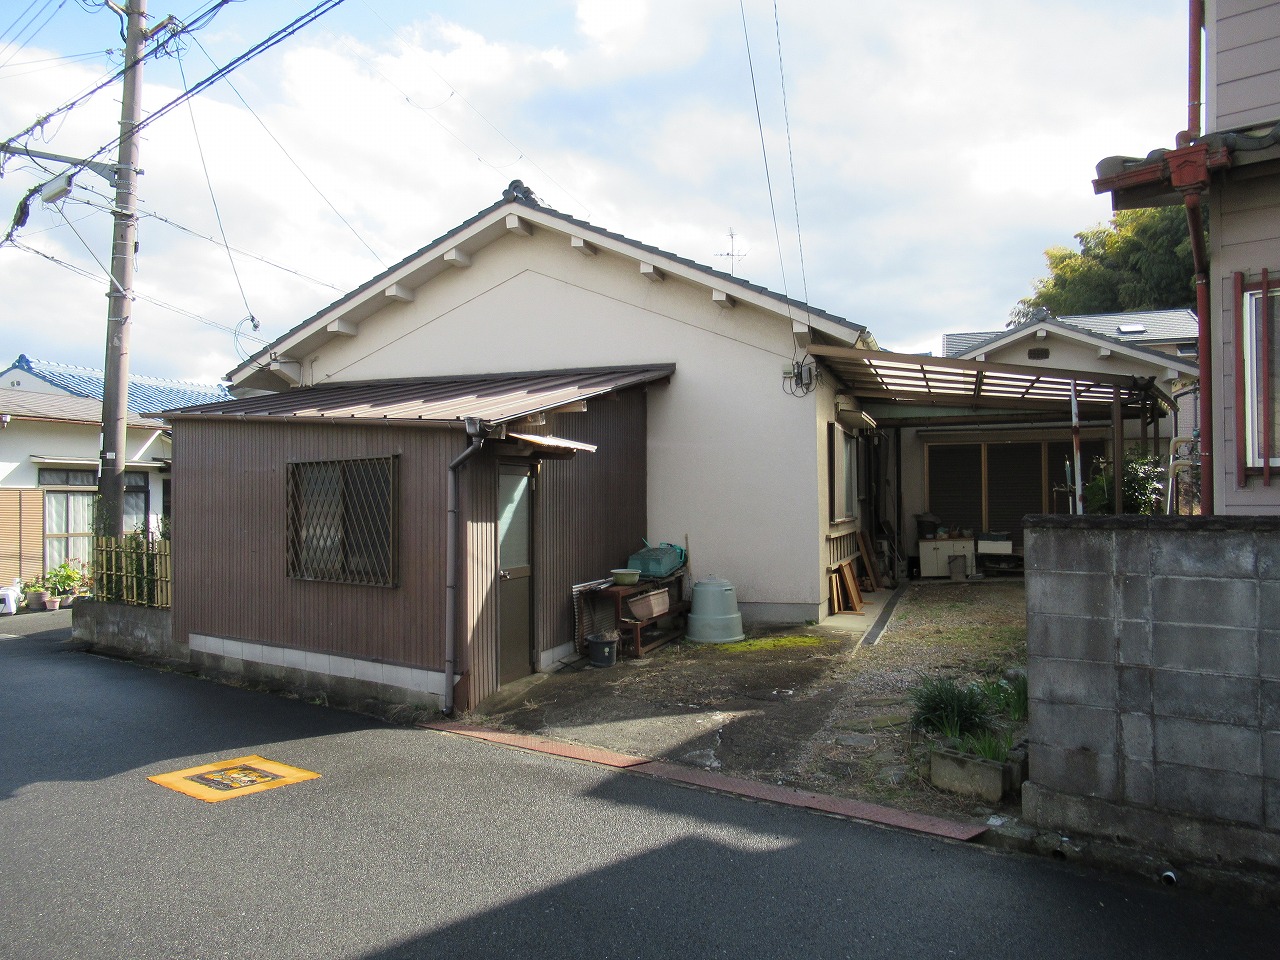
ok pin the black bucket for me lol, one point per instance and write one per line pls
(603, 652)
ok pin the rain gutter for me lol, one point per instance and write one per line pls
(478, 431)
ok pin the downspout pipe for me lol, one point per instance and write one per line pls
(1200, 256)
(477, 431)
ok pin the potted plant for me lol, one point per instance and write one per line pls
(37, 592)
(63, 581)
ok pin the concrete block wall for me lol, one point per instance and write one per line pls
(1154, 674)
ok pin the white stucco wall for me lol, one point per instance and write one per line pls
(23, 439)
(731, 455)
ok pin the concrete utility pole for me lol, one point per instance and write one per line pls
(115, 393)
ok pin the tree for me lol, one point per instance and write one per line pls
(1142, 261)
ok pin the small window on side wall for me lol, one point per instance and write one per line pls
(842, 463)
(342, 521)
(1259, 307)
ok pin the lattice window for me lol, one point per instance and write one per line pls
(343, 520)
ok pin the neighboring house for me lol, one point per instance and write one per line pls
(50, 441)
(1153, 655)
(145, 393)
(1233, 168)
(622, 393)
(49, 446)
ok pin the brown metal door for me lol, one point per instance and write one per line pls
(515, 573)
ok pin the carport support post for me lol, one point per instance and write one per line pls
(1117, 458)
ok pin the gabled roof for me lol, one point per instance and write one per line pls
(145, 393)
(1074, 331)
(517, 212)
(958, 344)
(1131, 326)
(28, 405)
(495, 399)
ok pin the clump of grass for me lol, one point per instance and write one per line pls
(990, 745)
(1008, 698)
(772, 643)
(942, 705)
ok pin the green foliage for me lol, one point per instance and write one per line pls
(1141, 261)
(990, 745)
(1143, 489)
(942, 705)
(1007, 698)
(63, 578)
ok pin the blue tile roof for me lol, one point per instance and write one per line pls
(145, 393)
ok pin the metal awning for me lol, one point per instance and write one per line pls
(876, 375)
(496, 399)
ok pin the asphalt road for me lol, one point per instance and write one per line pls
(419, 844)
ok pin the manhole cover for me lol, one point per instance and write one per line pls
(232, 778)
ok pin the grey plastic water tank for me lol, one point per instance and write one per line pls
(714, 617)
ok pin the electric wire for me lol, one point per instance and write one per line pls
(586, 211)
(51, 63)
(114, 282)
(90, 275)
(18, 41)
(764, 154)
(217, 213)
(200, 236)
(791, 160)
(297, 166)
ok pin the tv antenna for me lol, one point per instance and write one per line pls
(733, 254)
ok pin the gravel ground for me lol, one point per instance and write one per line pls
(820, 713)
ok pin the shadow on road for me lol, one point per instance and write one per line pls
(68, 715)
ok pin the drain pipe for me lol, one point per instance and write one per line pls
(477, 431)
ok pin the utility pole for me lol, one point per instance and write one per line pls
(115, 392)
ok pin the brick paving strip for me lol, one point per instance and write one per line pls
(787, 796)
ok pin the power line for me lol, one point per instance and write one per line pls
(217, 214)
(586, 210)
(297, 166)
(90, 275)
(764, 153)
(786, 116)
(19, 39)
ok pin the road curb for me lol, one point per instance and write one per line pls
(735, 786)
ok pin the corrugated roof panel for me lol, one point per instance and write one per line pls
(26, 404)
(495, 399)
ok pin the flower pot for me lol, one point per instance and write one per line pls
(36, 599)
(52, 603)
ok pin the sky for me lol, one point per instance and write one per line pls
(929, 151)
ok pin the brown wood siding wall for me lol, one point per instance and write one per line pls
(478, 632)
(1245, 233)
(590, 513)
(1247, 68)
(21, 535)
(229, 533)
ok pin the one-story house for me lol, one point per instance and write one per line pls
(579, 392)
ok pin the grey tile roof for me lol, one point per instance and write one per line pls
(1160, 326)
(955, 344)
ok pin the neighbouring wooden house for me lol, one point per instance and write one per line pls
(580, 391)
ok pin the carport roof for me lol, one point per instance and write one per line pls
(493, 398)
(950, 382)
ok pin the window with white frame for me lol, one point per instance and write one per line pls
(842, 459)
(1259, 307)
(69, 498)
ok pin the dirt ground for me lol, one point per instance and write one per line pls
(813, 708)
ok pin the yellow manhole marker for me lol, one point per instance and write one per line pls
(232, 778)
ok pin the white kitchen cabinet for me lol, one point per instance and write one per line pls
(935, 557)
